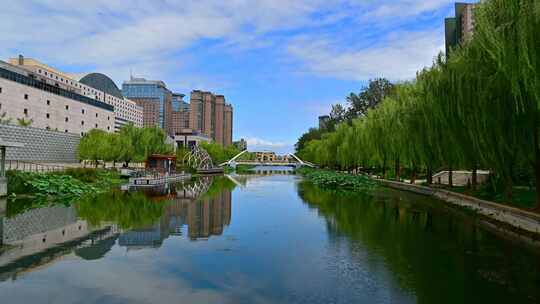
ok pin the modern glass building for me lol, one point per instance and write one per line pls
(140, 89)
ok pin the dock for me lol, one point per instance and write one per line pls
(154, 180)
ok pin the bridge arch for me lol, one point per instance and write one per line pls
(266, 162)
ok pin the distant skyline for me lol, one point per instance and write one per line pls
(280, 63)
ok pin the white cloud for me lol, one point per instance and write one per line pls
(259, 144)
(398, 57)
(405, 8)
(254, 141)
(109, 32)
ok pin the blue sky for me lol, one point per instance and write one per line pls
(281, 63)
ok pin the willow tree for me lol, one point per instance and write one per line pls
(509, 32)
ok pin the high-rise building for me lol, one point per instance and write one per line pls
(323, 122)
(155, 99)
(179, 114)
(459, 29)
(211, 116)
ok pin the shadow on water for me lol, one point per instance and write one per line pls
(440, 255)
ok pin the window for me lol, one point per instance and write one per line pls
(48, 102)
(48, 115)
(66, 130)
(67, 119)
(108, 118)
(108, 128)
(82, 111)
(96, 114)
(82, 123)
(0, 90)
(25, 111)
(25, 96)
(67, 107)
(96, 126)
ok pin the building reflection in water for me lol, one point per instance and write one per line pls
(188, 206)
(41, 236)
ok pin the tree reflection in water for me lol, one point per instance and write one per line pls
(432, 250)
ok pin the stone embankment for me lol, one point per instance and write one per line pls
(518, 218)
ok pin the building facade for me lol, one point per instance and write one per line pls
(126, 111)
(32, 96)
(155, 99)
(323, 122)
(459, 29)
(179, 114)
(212, 116)
(95, 86)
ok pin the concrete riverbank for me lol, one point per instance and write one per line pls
(518, 218)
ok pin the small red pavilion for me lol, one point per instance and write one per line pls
(165, 164)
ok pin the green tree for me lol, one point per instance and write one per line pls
(94, 146)
(372, 95)
(24, 122)
(4, 119)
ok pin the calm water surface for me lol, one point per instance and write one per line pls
(259, 238)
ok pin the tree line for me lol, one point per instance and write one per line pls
(476, 107)
(131, 144)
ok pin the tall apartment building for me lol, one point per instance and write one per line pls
(179, 114)
(459, 29)
(35, 94)
(94, 86)
(323, 122)
(155, 99)
(211, 116)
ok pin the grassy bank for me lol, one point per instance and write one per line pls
(337, 181)
(64, 185)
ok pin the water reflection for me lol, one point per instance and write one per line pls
(91, 227)
(441, 255)
(285, 241)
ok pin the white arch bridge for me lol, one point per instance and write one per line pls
(290, 161)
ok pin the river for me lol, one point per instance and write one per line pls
(259, 238)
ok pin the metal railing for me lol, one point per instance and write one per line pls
(19, 165)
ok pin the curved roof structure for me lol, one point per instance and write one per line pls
(103, 83)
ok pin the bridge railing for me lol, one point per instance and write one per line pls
(19, 165)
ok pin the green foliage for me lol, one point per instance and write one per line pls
(61, 186)
(478, 107)
(46, 185)
(371, 96)
(4, 119)
(130, 144)
(337, 181)
(219, 153)
(24, 122)
(127, 209)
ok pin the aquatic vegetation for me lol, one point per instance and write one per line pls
(338, 181)
(60, 186)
